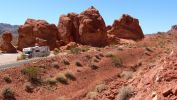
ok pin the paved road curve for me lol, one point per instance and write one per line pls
(14, 64)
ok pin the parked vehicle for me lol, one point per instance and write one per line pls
(36, 51)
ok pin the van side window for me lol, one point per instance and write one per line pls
(37, 51)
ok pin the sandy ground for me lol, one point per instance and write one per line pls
(8, 58)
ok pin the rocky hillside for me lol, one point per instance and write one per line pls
(7, 27)
(91, 61)
(135, 70)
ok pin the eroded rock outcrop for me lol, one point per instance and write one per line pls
(6, 45)
(68, 27)
(37, 32)
(173, 29)
(86, 28)
(127, 27)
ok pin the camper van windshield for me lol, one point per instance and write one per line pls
(28, 52)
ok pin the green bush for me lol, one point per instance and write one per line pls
(32, 74)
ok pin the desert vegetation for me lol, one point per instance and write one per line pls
(89, 60)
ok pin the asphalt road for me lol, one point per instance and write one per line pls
(10, 60)
(11, 65)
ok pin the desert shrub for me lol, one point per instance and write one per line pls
(101, 55)
(97, 56)
(85, 48)
(32, 74)
(126, 74)
(117, 61)
(99, 88)
(56, 51)
(55, 65)
(149, 49)
(124, 93)
(51, 81)
(78, 64)
(95, 60)
(29, 87)
(161, 43)
(70, 75)
(94, 66)
(75, 50)
(62, 78)
(91, 95)
(109, 54)
(66, 62)
(88, 57)
(61, 98)
(21, 56)
(8, 94)
(98, 49)
(7, 79)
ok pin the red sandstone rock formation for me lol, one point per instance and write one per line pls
(66, 28)
(6, 45)
(173, 29)
(34, 30)
(86, 28)
(127, 27)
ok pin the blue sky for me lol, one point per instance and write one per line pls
(154, 15)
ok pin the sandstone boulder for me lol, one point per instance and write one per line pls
(34, 31)
(86, 28)
(92, 28)
(26, 36)
(66, 29)
(112, 40)
(6, 45)
(127, 27)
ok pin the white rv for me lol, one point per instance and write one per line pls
(36, 51)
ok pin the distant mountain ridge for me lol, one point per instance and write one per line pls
(8, 27)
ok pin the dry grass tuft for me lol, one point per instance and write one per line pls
(124, 93)
(61, 78)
